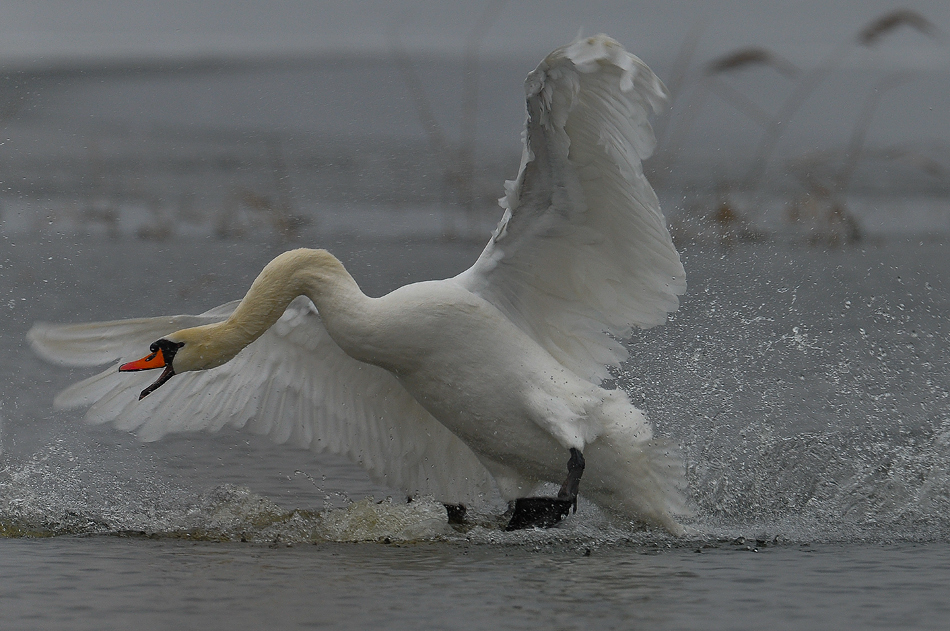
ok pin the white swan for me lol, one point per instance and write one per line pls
(442, 387)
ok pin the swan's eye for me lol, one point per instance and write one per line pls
(167, 347)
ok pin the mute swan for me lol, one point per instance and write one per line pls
(444, 387)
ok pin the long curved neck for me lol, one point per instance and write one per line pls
(316, 274)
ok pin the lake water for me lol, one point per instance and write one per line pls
(809, 388)
(115, 583)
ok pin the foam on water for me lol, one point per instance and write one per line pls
(60, 491)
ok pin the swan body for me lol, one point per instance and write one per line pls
(445, 387)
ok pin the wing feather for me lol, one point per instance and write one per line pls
(97, 343)
(293, 384)
(582, 253)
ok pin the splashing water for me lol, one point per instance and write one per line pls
(815, 402)
(54, 493)
(810, 392)
(834, 486)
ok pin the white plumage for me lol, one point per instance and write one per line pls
(445, 386)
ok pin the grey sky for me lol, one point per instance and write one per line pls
(35, 30)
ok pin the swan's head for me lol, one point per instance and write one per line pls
(161, 355)
(182, 351)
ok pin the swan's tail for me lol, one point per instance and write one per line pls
(633, 474)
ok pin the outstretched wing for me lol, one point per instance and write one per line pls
(293, 384)
(582, 253)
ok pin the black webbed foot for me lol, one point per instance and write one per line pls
(456, 513)
(538, 512)
(545, 512)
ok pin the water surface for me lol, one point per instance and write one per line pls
(809, 389)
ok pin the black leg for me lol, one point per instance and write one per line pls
(575, 469)
(544, 512)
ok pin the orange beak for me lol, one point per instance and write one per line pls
(163, 352)
(155, 360)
